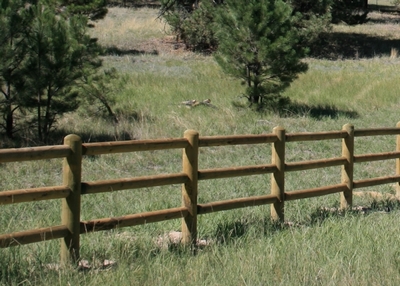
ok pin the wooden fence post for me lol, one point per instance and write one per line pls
(71, 206)
(189, 190)
(346, 197)
(398, 161)
(278, 177)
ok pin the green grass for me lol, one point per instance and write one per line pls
(321, 248)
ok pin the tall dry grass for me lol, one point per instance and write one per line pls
(318, 247)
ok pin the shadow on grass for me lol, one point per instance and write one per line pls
(316, 111)
(228, 232)
(114, 51)
(338, 46)
(393, 9)
(87, 137)
(57, 138)
(285, 107)
(381, 206)
(136, 3)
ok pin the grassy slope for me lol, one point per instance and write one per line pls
(322, 248)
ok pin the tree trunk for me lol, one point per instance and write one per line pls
(9, 122)
(39, 116)
(48, 121)
(254, 99)
(9, 113)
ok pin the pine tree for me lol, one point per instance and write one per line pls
(47, 58)
(259, 44)
(93, 9)
(60, 53)
(15, 19)
(191, 20)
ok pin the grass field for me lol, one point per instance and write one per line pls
(356, 84)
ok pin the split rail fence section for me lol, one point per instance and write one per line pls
(70, 192)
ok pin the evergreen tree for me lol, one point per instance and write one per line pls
(93, 9)
(59, 54)
(313, 19)
(47, 60)
(192, 20)
(351, 12)
(15, 19)
(259, 44)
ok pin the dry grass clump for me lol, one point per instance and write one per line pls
(125, 29)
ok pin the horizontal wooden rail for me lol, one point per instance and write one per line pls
(235, 204)
(316, 192)
(376, 181)
(34, 194)
(73, 150)
(32, 236)
(208, 141)
(132, 183)
(315, 136)
(131, 220)
(376, 157)
(34, 153)
(376, 132)
(132, 146)
(307, 165)
(235, 172)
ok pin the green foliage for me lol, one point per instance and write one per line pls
(259, 44)
(97, 88)
(314, 18)
(192, 21)
(197, 29)
(93, 9)
(351, 12)
(59, 53)
(15, 17)
(45, 57)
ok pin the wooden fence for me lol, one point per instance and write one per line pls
(70, 192)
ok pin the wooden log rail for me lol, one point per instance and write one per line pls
(72, 189)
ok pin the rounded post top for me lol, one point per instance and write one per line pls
(398, 124)
(191, 132)
(348, 127)
(72, 138)
(278, 128)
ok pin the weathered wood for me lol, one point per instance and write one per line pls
(376, 132)
(398, 161)
(73, 187)
(34, 194)
(316, 192)
(376, 157)
(376, 181)
(235, 204)
(315, 136)
(315, 164)
(71, 206)
(278, 177)
(346, 197)
(32, 236)
(133, 183)
(34, 153)
(132, 146)
(190, 167)
(132, 220)
(208, 141)
(219, 173)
